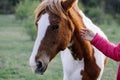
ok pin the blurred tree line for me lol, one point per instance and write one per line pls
(99, 11)
(7, 6)
(109, 6)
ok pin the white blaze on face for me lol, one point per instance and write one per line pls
(43, 24)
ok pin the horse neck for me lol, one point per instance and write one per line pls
(80, 48)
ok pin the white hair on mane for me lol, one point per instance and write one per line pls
(54, 6)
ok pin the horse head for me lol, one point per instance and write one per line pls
(55, 30)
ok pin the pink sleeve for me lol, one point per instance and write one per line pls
(106, 47)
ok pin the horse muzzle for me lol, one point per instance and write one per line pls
(41, 68)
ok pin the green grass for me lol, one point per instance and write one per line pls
(16, 48)
(112, 31)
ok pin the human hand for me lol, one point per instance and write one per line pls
(87, 34)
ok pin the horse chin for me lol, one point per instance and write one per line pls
(40, 73)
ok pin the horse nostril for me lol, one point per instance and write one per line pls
(39, 64)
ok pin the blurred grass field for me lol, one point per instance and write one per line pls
(16, 48)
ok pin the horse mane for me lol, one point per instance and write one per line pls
(54, 6)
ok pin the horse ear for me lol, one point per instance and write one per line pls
(67, 4)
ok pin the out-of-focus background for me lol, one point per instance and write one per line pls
(18, 32)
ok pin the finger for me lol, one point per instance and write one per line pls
(82, 34)
(83, 37)
(83, 31)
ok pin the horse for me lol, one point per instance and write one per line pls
(58, 32)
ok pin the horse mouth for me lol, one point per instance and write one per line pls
(40, 70)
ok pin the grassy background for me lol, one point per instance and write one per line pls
(16, 48)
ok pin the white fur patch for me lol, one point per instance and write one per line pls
(71, 67)
(99, 56)
(42, 27)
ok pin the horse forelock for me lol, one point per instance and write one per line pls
(56, 8)
(53, 6)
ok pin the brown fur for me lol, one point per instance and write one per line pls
(70, 23)
(83, 49)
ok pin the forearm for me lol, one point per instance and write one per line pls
(106, 47)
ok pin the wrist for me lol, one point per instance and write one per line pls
(92, 39)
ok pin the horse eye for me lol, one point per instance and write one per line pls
(55, 27)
